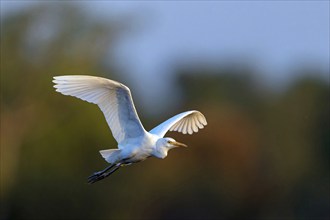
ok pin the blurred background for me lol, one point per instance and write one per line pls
(259, 71)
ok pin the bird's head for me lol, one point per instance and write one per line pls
(165, 144)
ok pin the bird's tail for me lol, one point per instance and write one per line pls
(110, 155)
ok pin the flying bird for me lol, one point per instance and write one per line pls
(135, 144)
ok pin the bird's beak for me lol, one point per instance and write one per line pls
(178, 144)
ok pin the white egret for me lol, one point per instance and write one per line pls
(135, 144)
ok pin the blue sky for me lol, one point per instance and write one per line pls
(274, 36)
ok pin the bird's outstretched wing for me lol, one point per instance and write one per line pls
(113, 98)
(185, 122)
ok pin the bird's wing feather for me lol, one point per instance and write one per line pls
(113, 98)
(185, 122)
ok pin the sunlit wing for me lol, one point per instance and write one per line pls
(113, 98)
(186, 122)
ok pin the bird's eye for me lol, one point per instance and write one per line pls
(169, 142)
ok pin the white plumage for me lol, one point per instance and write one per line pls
(113, 98)
(134, 142)
(185, 122)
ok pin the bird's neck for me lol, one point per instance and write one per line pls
(160, 152)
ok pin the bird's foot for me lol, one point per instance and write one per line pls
(102, 174)
(96, 177)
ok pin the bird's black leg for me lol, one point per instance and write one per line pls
(102, 174)
(102, 171)
(112, 171)
(99, 173)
